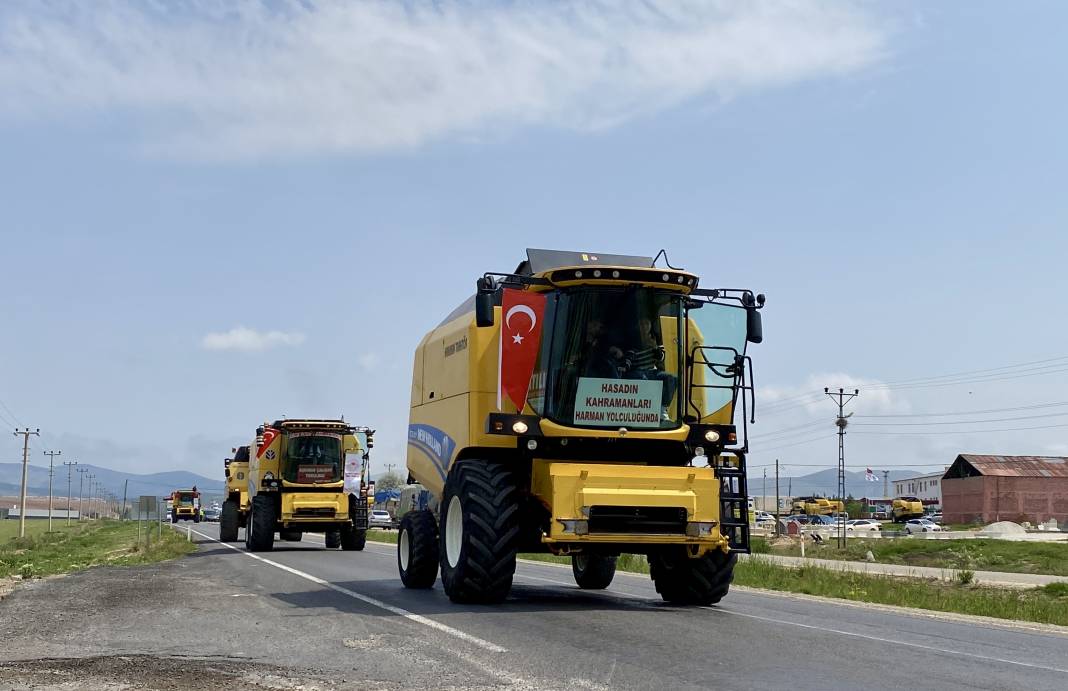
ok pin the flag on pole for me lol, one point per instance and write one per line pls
(520, 341)
(870, 476)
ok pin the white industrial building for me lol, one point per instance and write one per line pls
(926, 488)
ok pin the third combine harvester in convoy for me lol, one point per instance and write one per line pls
(297, 471)
(583, 405)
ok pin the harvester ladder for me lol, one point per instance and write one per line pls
(733, 502)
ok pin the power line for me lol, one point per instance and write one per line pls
(956, 422)
(964, 431)
(1035, 406)
(979, 371)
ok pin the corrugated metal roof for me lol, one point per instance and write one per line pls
(1018, 466)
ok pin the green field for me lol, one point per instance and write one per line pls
(10, 528)
(979, 555)
(84, 545)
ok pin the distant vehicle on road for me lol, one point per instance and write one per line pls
(936, 517)
(906, 508)
(380, 519)
(863, 525)
(799, 517)
(921, 525)
(764, 517)
(211, 514)
(821, 520)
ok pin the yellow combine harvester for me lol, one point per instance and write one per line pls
(185, 505)
(235, 508)
(818, 506)
(296, 483)
(905, 508)
(582, 405)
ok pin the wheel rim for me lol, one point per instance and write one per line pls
(402, 550)
(454, 531)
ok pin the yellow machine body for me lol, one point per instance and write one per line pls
(905, 508)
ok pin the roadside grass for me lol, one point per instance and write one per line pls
(9, 528)
(85, 545)
(979, 555)
(1047, 605)
(379, 535)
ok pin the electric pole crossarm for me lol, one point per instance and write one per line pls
(841, 398)
(26, 433)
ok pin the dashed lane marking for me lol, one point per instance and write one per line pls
(374, 602)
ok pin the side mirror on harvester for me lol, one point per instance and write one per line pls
(754, 330)
(484, 302)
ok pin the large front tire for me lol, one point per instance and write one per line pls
(479, 532)
(332, 539)
(593, 571)
(228, 521)
(417, 550)
(682, 580)
(259, 535)
(353, 540)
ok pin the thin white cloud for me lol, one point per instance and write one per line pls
(212, 79)
(369, 361)
(246, 339)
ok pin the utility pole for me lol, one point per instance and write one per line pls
(886, 484)
(69, 465)
(764, 492)
(125, 486)
(25, 470)
(841, 398)
(90, 477)
(776, 496)
(81, 486)
(51, 456)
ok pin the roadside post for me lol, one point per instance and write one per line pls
(145, 504)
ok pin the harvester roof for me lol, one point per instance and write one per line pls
(540, 261)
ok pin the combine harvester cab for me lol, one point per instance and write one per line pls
(235, 508)
(297, 483)
(583, 405)
(185, 505)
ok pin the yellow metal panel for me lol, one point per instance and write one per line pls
(568, 488)
(292, 501)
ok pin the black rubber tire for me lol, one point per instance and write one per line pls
(488, 535)
(681, 580)
(593, 571)
(174, 517)
(196, 518)
(291, 535)
(353, 540)
(259, 535)
(228, 521)
(332, 539)
(419, 532)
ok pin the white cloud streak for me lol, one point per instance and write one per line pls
(212, 79)
(242, 338)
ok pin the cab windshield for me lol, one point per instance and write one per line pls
(312, 458)
(610, 359)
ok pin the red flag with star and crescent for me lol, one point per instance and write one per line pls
(520, 339)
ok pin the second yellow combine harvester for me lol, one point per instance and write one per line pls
(582, 405)
(235, 507)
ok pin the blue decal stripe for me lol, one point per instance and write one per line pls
(429, 454)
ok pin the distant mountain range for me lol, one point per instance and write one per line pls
(154, 484)
(823, 482)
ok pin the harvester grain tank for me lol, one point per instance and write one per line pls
(818, 506)
(296, 483)
(234, 513)
(905, 508)
(583, 405)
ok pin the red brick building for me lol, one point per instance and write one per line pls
(1006, 488)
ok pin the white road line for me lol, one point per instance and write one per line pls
(892, 641)
(411, 616)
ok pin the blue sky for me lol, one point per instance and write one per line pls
(891, 176)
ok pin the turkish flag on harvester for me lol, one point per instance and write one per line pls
(520, 339)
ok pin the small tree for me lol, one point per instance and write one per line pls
(388, 481)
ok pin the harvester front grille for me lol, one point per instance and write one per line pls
(318, 512)
(658, 520)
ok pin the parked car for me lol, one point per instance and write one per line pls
(380, 518)
(802, 518)
(864, 524)
(936, 517)
(921, 525)
(764, 517)
(821, 520)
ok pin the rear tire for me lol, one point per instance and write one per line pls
(291, 535)
(259, 535)
(593, 571)
(417, 550)
(479, 532)
(332, 539)
(353, 540)
(682, 580)
(228, 520)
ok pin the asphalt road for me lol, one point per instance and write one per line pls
(333, 619)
